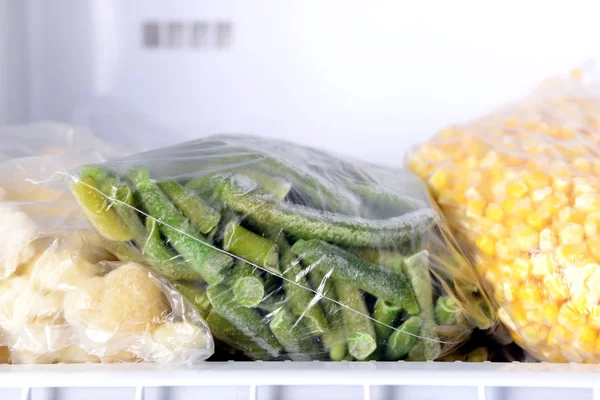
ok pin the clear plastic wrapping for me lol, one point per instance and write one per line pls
(289, 252)
(64, 294)
(520, 188)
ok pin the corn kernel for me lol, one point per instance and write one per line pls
(592, 225)
(508, 206)
(439, 181)
(518, 315)
(555, 288)
(494, 212)
(505, 249)
(571, 233)
(509, 290)
(535, 179)
(593, 318)
(523, 208)
(548, 240)
(582, 185)
(550, 312)
(529, 295)
(561, 184)
(475, 207)
(594, 246)
(588, 335)
(559, 335)
(517, 189)
(588, 202)
(487, 245)
(568, 253)
(520, 268)
(555, 202)
(525, 237)
(534, 334)
(542, 265)
(538, 219)
(497, 231)
(572, 355)
(570, 317)
(541, 194)
(568, 214)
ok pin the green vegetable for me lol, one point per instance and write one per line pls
(195, 295)
(334, 339)
(308, 223)
(480, 354)
(385, 314)
(97, 209)
(446, 311)
(227, 333)
(403, 339)
(247, 285)
(295, 338)
(359, 328)
(389, 259)
(276, 188)
(212, 263)
(301, 298)
(247, 320)
(392, 203)
(416, 268)
(272, 302)
(379, 281)
(163, 259)
(201, 214)
(252, 247)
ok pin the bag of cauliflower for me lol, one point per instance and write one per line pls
(64, 294)
(521, 188)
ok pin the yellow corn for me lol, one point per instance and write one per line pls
(528, 203)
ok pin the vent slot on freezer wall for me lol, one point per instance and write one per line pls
(194, 35)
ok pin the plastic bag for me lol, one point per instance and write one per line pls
(64, 295)
(520, 188)
(290, 252)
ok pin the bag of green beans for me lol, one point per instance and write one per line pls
(290, 252)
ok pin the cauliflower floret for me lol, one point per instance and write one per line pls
(63, 265)
(17, 231)
(126, 300)
(179, 342)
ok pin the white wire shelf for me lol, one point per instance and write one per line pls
(314, 380)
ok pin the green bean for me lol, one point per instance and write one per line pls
(195, 295)
(395, 203)
(359, 328)
(201, 214)
(272, 302)
(163, 259)
(252, 247)
(294, 336)
(247, 320)
(212, 263)
(384, 258)
(403, 340)
(97, 209)
(308, 223)
(479, 354)
(379, 281)
(416, 268)
(227, 333)
(247, 285)
(276, 188)
(302, 300)
(446, 311)
(334, 339)
(385, 314)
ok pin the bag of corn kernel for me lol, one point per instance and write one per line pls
(521, 190)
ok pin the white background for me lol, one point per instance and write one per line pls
(359, 77)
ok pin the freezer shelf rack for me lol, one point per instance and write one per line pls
(347, 380)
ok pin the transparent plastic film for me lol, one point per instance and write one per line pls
(66, 296)
(521, 191)
(289, 252)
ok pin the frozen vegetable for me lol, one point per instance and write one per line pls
(520, 188)
(300, 254)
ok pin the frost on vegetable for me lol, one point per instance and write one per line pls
(298, 254)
